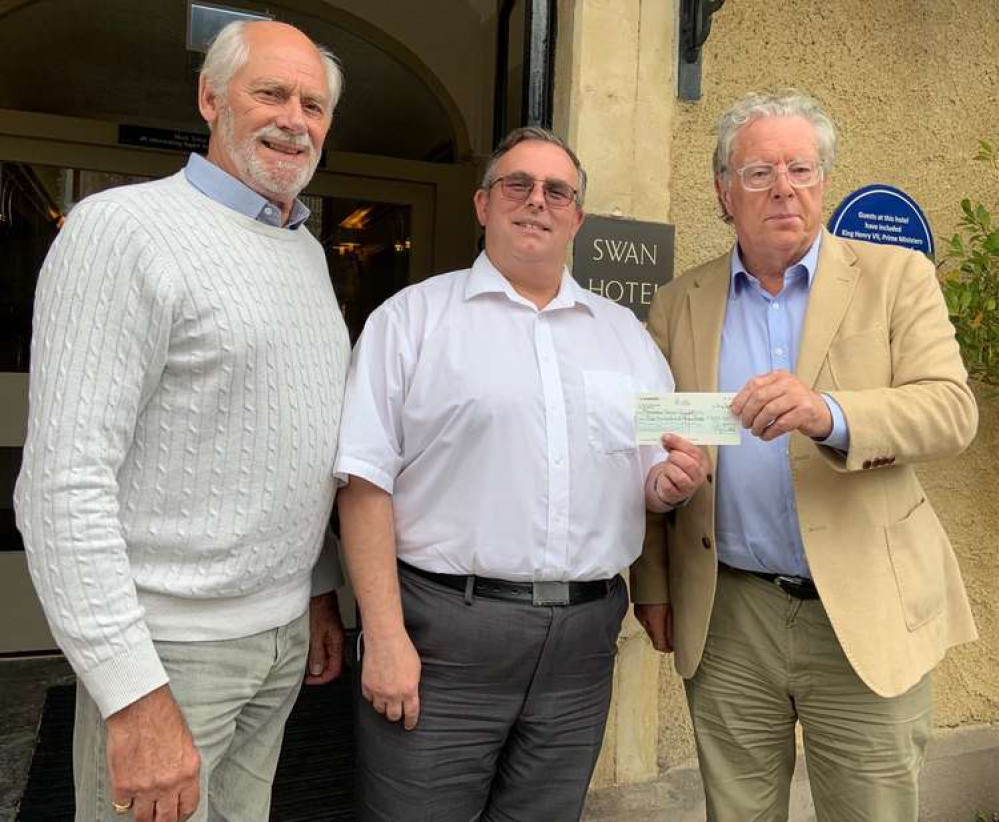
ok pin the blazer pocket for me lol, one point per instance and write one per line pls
(862, 360)
(610, 410)
(917, 546)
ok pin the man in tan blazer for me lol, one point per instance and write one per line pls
(809, 580)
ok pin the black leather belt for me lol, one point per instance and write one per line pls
(537, 593)
(797, 587)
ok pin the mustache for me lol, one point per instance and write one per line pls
(276, 134)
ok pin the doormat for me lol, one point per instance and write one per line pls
(315, 774)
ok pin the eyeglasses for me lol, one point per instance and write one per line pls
(763, 176)
(518, 187)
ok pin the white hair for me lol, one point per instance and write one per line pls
(787, 103)
(230, 51)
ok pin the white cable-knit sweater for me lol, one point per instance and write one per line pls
(187, 375)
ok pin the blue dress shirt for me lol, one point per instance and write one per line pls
(225, 189)
(756, 522)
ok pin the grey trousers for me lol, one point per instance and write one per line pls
(235, 695)
(513, 699)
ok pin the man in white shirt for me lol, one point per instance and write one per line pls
(495, 491)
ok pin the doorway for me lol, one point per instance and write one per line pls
(383, 222)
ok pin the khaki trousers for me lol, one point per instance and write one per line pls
(772, 661)
(236, 696)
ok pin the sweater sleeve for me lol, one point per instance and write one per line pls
(102, 320)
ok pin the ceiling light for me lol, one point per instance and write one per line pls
(357, 219)
(205, 20)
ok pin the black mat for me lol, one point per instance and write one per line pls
(314, 780)
(48, 796)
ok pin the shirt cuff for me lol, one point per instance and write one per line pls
(348, 466)
(839, 437)
(327, 573)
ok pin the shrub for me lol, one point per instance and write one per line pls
(969, 276)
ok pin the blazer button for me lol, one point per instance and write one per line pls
(710, 477)
(867, 464)
(706, 542)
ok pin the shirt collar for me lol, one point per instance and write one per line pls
(740, 276)
(225, 189)
(485, 278)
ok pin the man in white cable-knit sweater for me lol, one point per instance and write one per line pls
(187, 374)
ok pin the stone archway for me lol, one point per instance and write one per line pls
(128, 62)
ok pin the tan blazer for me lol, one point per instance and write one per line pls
(877, 338)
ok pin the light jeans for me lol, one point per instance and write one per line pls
(236, 696)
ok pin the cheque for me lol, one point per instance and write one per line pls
(702, 418)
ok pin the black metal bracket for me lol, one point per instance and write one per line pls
(501, 81)
(537, 91)
(695, 26)
(539, 63)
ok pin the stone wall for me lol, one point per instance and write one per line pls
(912, 85)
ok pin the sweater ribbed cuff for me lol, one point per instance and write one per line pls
(125, 678)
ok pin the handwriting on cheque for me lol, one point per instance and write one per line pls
(701, 418)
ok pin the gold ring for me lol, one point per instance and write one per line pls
(122, 808)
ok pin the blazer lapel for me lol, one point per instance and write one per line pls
(831, 291)
(707, 299)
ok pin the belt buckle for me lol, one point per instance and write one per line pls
(550, 593)
(789, 585)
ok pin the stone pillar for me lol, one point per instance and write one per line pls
(615, 100)
(615, 103)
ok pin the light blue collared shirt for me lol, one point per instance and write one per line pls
(756, 523)
(225, 189)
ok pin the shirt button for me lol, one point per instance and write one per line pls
(779, 352)
(775, 306)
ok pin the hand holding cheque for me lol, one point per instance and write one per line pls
(769, 405)
(777, 403)
(681, 423)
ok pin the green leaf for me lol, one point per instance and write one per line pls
(969, 279)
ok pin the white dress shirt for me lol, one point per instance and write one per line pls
(504, 433)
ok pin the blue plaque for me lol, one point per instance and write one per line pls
(883, 214)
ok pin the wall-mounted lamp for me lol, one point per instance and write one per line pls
(695, 26)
